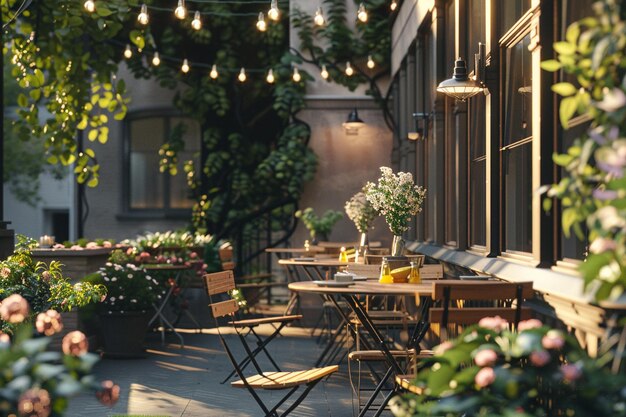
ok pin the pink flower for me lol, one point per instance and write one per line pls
(46, 275)
(58, 246)
(5, 272)
(540, 358)
(439, 350)
(193, 255)
(106, 244)
(571, 372)
(35, 403)
(529, 324)
(14, 309)
(485, 377)
(76, 247)
(75, 343)
(109, 394)
(496, 323)
(486, 357)
(92, 245)
(602, 244)
(5, 338)
(553, 340)
(49, 322)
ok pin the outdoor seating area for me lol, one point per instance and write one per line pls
(313, 208)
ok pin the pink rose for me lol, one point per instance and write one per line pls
(108, 394)
(92, 245)
(485, 377)
(58, 246)
(601, 244)
(439, 350)
(46, 275)
(106, 244)
(49, 322)
(76, 247)
(571, 372)
(5, 272)
(35, 403)
(496, 323)
(486, 357)
(553, 340)
(14, 309)
(75, 343)
(5, 338)
(529, 324)
(540, 358)
(193, 255)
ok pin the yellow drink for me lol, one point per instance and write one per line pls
(414, 275)
(385, 274)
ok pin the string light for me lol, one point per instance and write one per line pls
(196, 23)
(213, 74)
(324, 73)
(90, 6)
(242, 75)
(319, 17)
(260, 24)
(296, 75)
(349, 70)
(362, 13)
(370, 62)
(128, 53)
(143, 17)
(185, 67)
(273, 13)
(156, 60)
(180, 12)
(394, 5)
(270, 77)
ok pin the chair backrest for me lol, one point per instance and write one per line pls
(221, 283)
(226, 257)
(466, 302)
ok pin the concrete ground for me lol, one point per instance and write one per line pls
(185, 382)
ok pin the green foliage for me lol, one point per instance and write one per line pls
(592, 192)
(492, 371)
(43, 286)
(319, 226)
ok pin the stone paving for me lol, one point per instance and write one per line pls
(185, 382)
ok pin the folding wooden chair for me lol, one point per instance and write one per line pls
(218, 286)
(463, 303)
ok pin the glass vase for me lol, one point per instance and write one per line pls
(397, 247)
(364, 240)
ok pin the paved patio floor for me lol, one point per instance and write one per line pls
(185, 382)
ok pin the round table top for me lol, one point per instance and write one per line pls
(318, 262)
(366, 288)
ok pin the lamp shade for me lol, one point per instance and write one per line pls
(460, 86)
(353, 123)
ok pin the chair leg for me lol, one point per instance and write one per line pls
(378, 389)
(300, 398)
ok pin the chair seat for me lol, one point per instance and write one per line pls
(282, 380)
(265, 320)
(377, 355)
(406, 382)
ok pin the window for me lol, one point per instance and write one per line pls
(147, 189)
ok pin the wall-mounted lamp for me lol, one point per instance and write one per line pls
(420, 132)
(353, 123)
(461, 86)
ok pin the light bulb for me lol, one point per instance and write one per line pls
(319, 17)
(394, 5)
(349, 70)
(296, 75)
(242, 75)
(361, 14)
(128, 53)
(324, 73)
(260, 24)
(156, 60)
(370, 62)
(185, 67)
(90, 6)
(273, 13)
(181, 11)
(270, 77)
(196, 23)
(143, 17)
(213, 74)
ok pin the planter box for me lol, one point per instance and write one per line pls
(75, 263)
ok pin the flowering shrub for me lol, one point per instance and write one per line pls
(396, 198)
(36, 383)
(42, 286)
(129, 287)
(319, 226)
(81, 244)
(360, 211)
(170, 239)
(491, 371)
(592, 193)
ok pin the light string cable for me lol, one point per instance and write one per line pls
(18, 12)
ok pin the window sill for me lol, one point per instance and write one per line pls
(519, 258)
(567, 266)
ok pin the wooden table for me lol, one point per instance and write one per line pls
(351, 295)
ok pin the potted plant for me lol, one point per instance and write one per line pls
(124, 313)
(362, 214)
(396, 198)
(592, 191)
(490, 370)
(319, 227)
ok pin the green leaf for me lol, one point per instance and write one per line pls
(93, 182)
(572, 33)
(567, 109)
(90, 152)
(568, 218)
(599, 52)
(39, 77)
(22, 100)
(562, 159)
(93, 135)
(565, 48)
(564, 89)
(551, 65)
(547, 204)
(102, 11)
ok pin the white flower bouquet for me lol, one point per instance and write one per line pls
(396, 198)
(360, 211)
